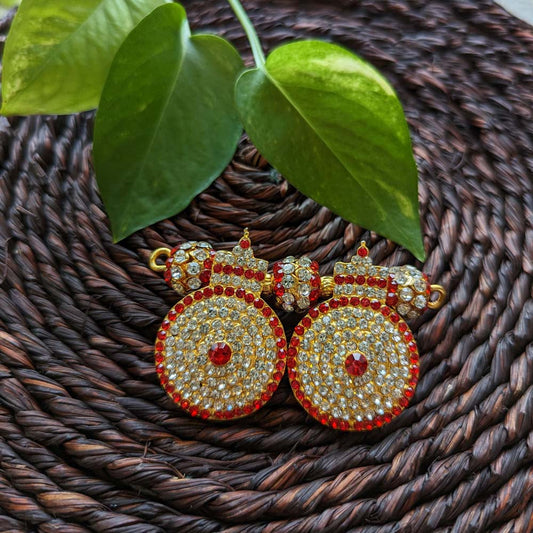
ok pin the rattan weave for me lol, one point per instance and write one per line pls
(88, 439)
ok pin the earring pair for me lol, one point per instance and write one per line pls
(352, 361)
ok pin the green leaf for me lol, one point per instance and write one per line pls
(167, 124)
(334, 127)
(58, 52)
(6, 5)
(9, 3)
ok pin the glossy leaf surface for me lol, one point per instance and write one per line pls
(334, 127)
(167, 124)
(58, 52)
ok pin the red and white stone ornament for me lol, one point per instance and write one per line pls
(353, 362)
(220, 352)
(296, 283)
(188, 267)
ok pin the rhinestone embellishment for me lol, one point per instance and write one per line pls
(352, 361)
(219, 354)
(353, 364)
(356, 364)
(214, 378)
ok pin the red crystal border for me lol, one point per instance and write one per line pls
(239, 271)
(370, 281)
(206, 294)
(292, 353)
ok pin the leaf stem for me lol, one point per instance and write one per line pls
(255, 43)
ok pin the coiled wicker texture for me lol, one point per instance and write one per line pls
(89, 441)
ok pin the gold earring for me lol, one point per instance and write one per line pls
(353, 361)
(220, 352)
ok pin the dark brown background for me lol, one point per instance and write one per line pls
(89, 441)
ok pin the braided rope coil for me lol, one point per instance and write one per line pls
(90, 442)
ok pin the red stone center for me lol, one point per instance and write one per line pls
(219, 354)
(356, 364)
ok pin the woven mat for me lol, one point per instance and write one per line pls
(89, 441)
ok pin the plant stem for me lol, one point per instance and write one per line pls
(255, 43)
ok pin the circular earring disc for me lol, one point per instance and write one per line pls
(220, 356)
(353, 364)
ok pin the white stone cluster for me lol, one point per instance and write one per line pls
(321, 364)
(187, 265)
(254, 353)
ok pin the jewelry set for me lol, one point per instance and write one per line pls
(352, 361)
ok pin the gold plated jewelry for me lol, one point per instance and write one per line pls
(352, 360)
(220, 352)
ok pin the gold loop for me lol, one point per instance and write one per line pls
(327, 284)
(267, 284)
(156, 254)
(437, 304)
